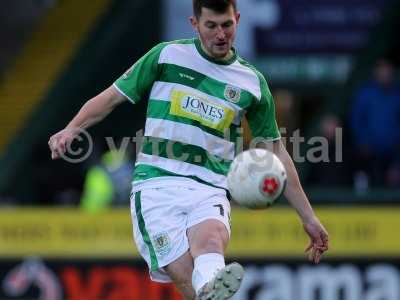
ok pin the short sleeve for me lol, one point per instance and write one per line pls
(261, 114)
(136, 83)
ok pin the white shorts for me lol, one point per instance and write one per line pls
(161, 216)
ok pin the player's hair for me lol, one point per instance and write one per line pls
(219, 6)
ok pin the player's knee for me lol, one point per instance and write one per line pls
(223, 235)
(217, 239)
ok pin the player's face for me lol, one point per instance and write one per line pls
(217, 31)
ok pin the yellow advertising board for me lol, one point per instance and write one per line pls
(65, 232)
(276, 232)
(353, 231)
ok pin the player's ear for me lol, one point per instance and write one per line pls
(237, 16)
(195, 23)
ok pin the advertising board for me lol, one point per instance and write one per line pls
(354, 232)
(278, 279)
(312, 41)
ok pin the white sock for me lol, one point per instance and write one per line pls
(205, 268)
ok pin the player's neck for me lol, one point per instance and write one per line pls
(227, 57)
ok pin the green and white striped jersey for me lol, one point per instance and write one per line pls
(195, 107)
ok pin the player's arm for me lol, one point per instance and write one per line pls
(133, 85)
(97, 108)
(262, 123)
(294, 193)
(92, 112)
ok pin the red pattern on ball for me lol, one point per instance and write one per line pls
(270, 185)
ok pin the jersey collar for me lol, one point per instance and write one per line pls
(229, 61)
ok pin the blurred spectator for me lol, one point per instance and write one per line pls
(107, 183)
(375, 125)
(328, 171)
(6, 201)
(17, 20)
(286, 114)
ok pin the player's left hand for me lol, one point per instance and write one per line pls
(319, 240)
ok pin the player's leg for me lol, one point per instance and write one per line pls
(208, 241)
(180, 272)
(159, 223)
(162, 238)
(208, 238)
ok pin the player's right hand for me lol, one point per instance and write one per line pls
(60, 142)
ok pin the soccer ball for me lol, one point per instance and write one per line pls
(256, 178)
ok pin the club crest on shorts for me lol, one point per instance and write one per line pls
(232, 93)
(162, 243)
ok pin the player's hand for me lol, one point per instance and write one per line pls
(59, 142)
(319, 240)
